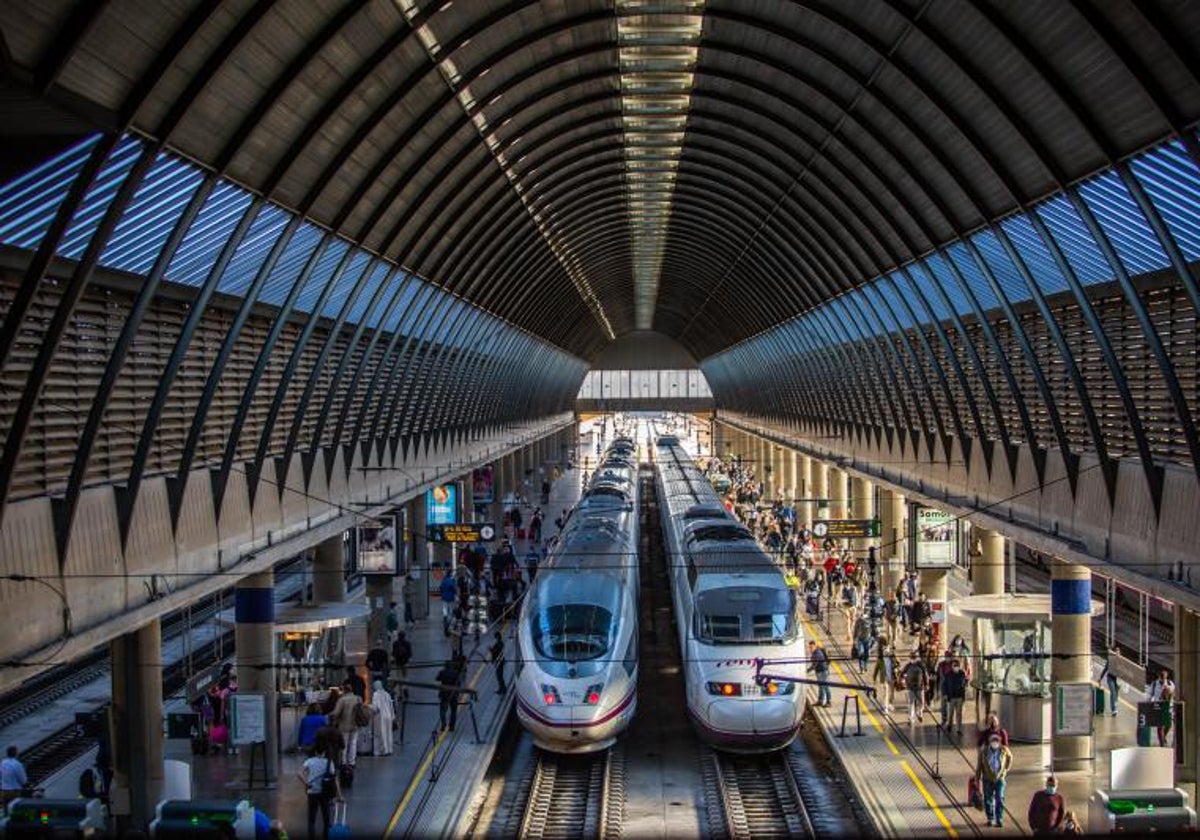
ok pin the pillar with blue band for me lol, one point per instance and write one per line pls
(254, 605)
(1071, 641)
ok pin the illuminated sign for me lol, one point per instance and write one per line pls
(846, 529)
(441, 505)
(465, 532)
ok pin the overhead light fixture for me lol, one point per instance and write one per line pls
(658, 45)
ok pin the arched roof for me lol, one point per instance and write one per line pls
(482, 144)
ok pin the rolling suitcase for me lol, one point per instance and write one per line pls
(338, 830)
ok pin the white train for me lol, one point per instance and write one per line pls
(577, 636)
(732, 606)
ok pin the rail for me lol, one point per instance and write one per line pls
(576, 796)
(750, 796)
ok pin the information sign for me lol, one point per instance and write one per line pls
(463, 532)
(248, 718)
(1073, 708)
(935, 537)
(845, 529)
(441, 505)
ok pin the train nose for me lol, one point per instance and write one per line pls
(773, 715)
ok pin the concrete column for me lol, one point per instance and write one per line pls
(136, 730)
(1187, 682)
(935, 584)
(893, 537)
(329, 571)
(467, 483)
(837, 493)
(804, 490)
(820, 489)
(1071, 629)
(379, 597)
(419, 552)
(254, 641)
(987, 561)
(862, 506)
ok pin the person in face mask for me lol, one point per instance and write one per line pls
(995, 760)
(1046, 809)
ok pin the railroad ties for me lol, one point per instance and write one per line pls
(576, 796)
(753, 796)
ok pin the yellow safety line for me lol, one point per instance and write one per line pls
(420, 774)
(929, 799)
(887, 740)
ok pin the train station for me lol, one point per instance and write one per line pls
(599, 418)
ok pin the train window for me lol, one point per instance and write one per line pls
(572, 632)
(721, 533)
(745, 614)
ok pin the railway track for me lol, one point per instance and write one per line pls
(754, 796)
(65, 745)
(576, 796)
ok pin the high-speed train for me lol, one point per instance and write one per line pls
(577, 681)
(732, 606)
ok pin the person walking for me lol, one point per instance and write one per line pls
(818, 663)
(496, 654)
(1161, 685)
(1110, 680)
(321, 784)
(1047, 809)
(991, 768)
(382, 719)
(13, 777)
(448, 589)
(954, 692)
(348, 715)
(915, 680)
(393, 621)
(1166, 701)
(885, 670)
(862, 642)
(402, 651)
(356, 683)
(992, 727)
(449, 679)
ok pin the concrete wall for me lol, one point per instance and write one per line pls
(106, 590)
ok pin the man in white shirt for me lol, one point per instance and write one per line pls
(1160, 685)
(12, 776)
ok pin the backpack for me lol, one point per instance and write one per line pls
(393, 622)
(328, 781)
(361, 716)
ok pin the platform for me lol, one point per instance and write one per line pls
(912, 779)
(425, 788)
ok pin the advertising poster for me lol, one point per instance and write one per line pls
(378, 548)
(936, 535)
(441, 504)
(482, 485)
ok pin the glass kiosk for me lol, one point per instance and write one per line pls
(1010, 643)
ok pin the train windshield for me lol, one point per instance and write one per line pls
(746, 614)
(572, 632)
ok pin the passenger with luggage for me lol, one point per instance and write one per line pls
(849, 608)
(991, 769)
(402, 651)
(862, 642)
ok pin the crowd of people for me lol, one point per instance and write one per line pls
(882, 627)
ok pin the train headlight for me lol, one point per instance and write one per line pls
(779, 689)
(550, 695)
(591, 697)
(724, 689)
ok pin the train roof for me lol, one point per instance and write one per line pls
(724, 545)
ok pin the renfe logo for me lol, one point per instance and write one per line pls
(732, 663)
